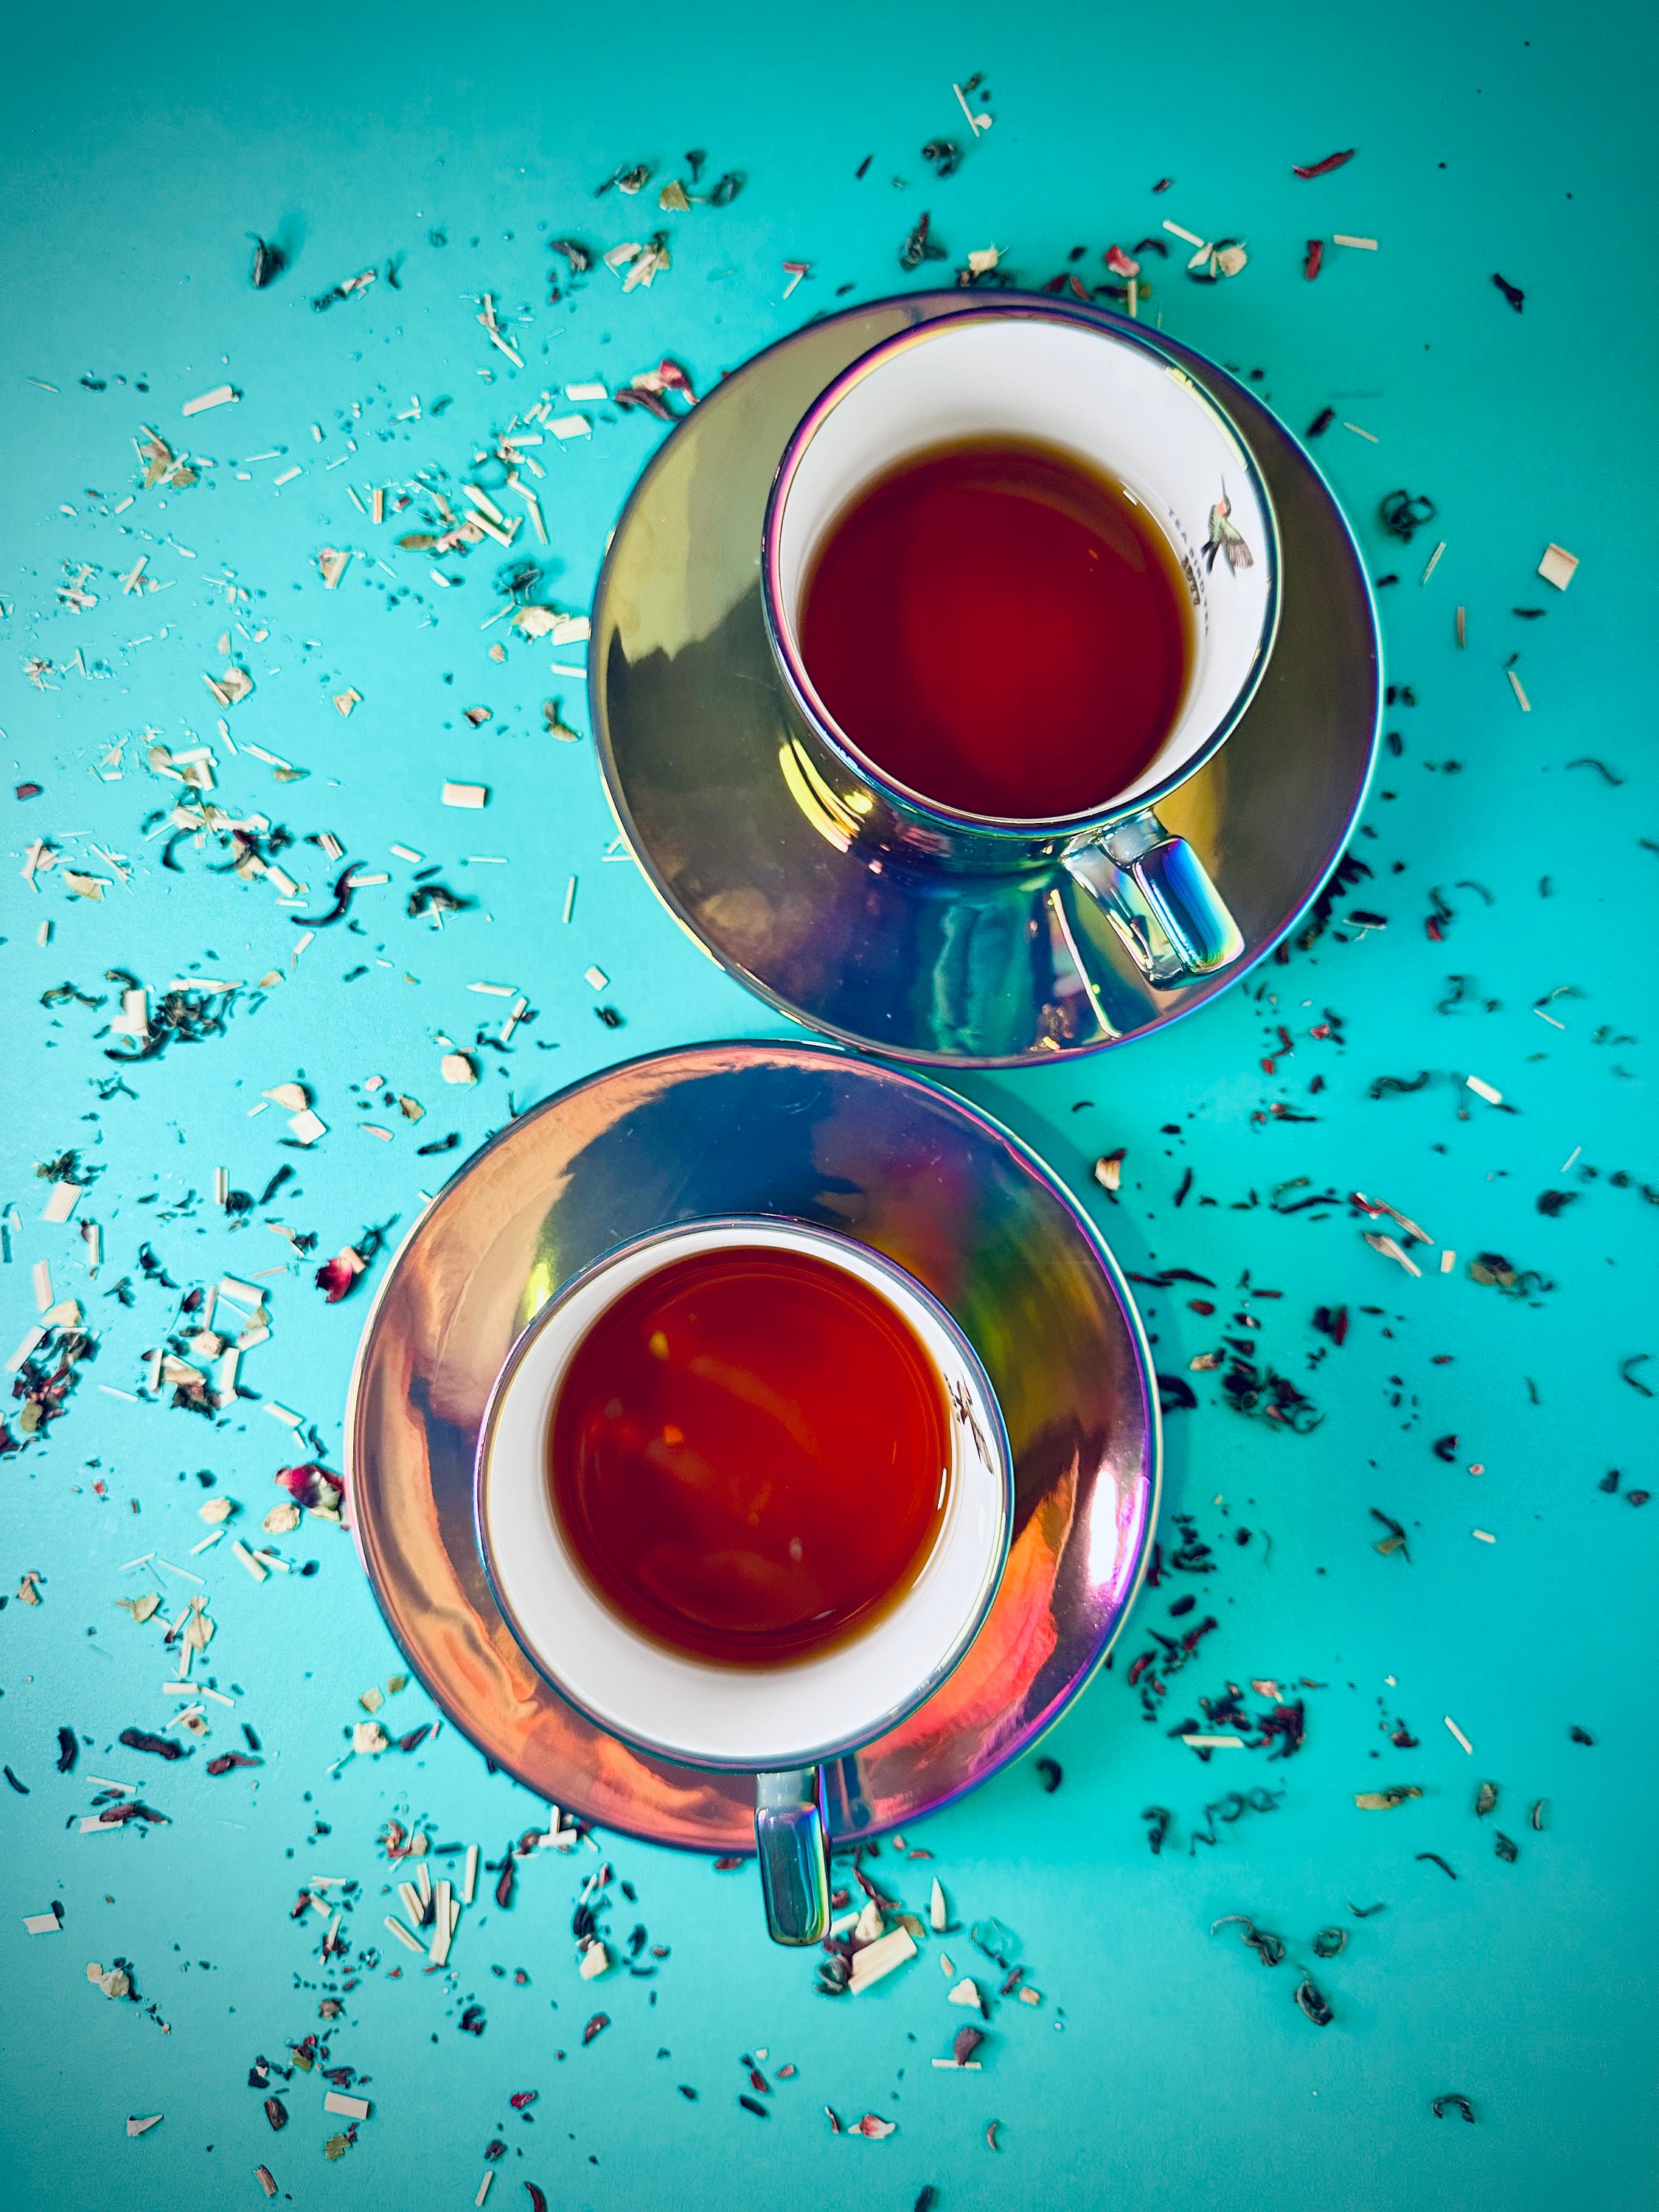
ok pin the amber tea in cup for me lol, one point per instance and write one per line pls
(749, 1455)
(999, 627)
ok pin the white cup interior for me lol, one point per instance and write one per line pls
(1126, 411)
(695, 1710)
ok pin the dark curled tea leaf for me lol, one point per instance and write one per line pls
(1465, 2108)
(1512, 293)
(596, 2026)
(1438, 1861)
(1395, 1086)
(751, 2105)
(1609, 775)
(1320, 422)
(1507, 1850)
(504, 1885)
(1485, 1798)
(1404, 514)
(268, 263)
(1174, 1395)
(1364, 1912)
(538, 2199)
(1158, 1820)
(1313, 2003)
(1636, 1359)
(1539, 1817)
(1576, 1734)
(1269, 1947)
(1051, 1773)
(68, 1750)
(965, 2042)
(1330, 1942)
(22, 1788)
(163, 1747)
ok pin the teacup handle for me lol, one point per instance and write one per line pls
(790, 1836)
(1157, 894)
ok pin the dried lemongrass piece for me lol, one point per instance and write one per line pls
(881, 1958)
(938, 1913)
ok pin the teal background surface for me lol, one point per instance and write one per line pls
(1164, 2068)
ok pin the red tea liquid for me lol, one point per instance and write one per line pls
(749, 1455)
(1000, 630)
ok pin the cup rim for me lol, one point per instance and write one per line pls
(792, 668)
(808, 1231)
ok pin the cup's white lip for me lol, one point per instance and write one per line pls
(795, 1230)
(780, 630)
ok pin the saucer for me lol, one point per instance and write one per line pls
(807, 1131)
(751, 852)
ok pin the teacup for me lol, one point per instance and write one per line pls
(780, 1721)
(1110, 398)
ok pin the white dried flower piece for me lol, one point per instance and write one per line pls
(368, 1738)
(596, 1960)
(869, 1925)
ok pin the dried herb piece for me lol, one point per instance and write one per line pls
(596, 2025)
(1395, 1539)
(919, 246)
(1313, 2003)
(276, 2113)
(1393, 1086)
(1384, 1800)
(1320, 422)
(1269, 1947)
(1512, 293)
(1485, 1797)
(1331, 161)
(68, 1750)
(268, 263)
(1330, 1942)
(1440, 1862)
(22, 1788)
(1508, 1851)
(163, 1747)
(1158, 1820)
(1313, 262)
(997, 1942)
(751, 2105)
(538, 2199)
(1364, 1912)
(1404, 514)
(1465, 2108)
